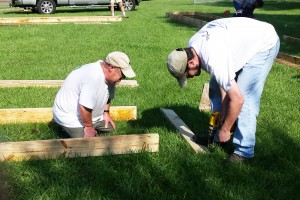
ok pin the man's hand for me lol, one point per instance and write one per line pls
(224, 135)
(107, 120)
(89, 132)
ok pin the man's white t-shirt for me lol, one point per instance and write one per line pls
(85, 86)
(226, 45)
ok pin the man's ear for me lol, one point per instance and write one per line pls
(110, 68)
(191, 63)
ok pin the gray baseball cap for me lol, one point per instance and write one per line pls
(176, 63)
(120, 60)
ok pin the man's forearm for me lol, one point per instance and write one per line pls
(234, 109)
(236, 100)
(86, 116)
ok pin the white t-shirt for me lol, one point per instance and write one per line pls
(226, 45)
(85, 86)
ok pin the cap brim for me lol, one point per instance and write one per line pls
(129, 73)
(182, 80)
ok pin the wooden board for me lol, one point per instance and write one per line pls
(291, 39)
(52, 83)
(184, 130)
(55, 20)
(42, 115)
(287, 63)
(289, 58)
(195, 19)
(205, 102)
(79, 147)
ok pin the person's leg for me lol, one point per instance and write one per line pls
(251, 83)
(215, 99)
(122, 8)
(78, 132)
(112, 7)
(214, 95)
(237, 6)
(73, 132)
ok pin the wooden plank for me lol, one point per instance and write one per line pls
(289, 58)
(287, 63)
(56, 20)
(52, 83)
(184, 130)
(42, 115)
(195, 19)
(205, 102)
(291, 39)
(79, 147)
(186, 19)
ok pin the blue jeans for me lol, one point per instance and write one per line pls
(251, 82)
(237, 6)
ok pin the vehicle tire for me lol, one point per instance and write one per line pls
(46, 6)
(129, 5)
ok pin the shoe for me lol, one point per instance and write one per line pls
(235, 158)
(202, 140)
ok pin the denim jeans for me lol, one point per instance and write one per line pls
(237, 6)
(251, 82)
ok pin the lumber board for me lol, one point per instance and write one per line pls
(42, 115)
(289, 58)
(52, 83)
(291, 39)
(195, 19)
(204, 101)
(183, 129)
(79, 147)
(287, 63)
(56, 20)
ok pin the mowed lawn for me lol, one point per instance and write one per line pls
(51, 52)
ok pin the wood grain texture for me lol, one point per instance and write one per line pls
(42, 115)
(79, 147)
(204, 101)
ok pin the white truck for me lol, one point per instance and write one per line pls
(49, 6)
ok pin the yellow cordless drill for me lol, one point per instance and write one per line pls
(213, 125)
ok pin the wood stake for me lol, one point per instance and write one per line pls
(79, 147)
(42, 115)
(184, 130)
(205, 102)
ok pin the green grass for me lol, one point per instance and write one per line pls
(175, 172)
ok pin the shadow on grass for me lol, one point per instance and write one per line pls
(175, 174)
(297, 77)
(193, 118)
(172, 173)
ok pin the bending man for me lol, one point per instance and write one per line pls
(238, 53)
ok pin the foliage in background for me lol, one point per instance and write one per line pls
(175, 172)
